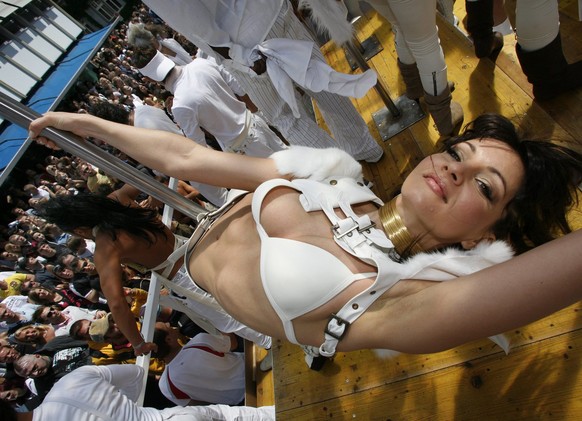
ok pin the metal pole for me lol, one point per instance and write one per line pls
(152, 303)
(354, 48)
(22, 115)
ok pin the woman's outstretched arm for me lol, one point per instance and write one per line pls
(495, 300)
(169, 153)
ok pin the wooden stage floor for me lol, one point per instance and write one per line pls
(540, 378)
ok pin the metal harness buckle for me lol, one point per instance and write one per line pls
(367, 227)
(339, 322)
(336, 227)
(337, 235)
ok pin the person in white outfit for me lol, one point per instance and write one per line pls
(203, 371)
(62, 319)
(139, 36)
(154, 118)
(234, 29)
(109, 393)
(206, 99)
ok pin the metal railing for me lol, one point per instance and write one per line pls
(20, 114)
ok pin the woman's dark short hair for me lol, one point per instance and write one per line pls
(552, 172)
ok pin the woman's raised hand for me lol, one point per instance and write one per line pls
(63, 121)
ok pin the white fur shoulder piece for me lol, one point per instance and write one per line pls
(316, 164)
(452, 263)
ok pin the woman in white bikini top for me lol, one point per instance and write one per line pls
(480, 189)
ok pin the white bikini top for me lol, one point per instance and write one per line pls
(299, 277)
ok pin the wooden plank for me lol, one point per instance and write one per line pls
(250, 381)
(259, 390)
(296, 385)
(536, 381)
(264, 381)
(564, 110)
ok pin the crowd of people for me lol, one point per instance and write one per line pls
(54, 315)
(225, 99)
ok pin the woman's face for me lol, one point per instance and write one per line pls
(42, 293)
(460, 194)
(38, 236)
(29, 334)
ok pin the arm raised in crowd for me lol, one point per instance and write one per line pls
(109, 267)
(169, 153)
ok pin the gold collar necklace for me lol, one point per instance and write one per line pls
(396, 231)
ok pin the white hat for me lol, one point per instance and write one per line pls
(158, 67)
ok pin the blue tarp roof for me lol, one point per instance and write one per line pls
(48, 96)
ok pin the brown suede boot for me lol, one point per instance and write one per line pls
(411, 77)
(412, 81)
(447, 114)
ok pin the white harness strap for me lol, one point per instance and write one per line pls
(358, 236)
(371, 245)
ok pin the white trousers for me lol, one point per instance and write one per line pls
(210, 309)
(261, 141)
(416, 39)
(537, 23)
(347, 126)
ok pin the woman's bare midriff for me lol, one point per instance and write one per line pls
(226, 262)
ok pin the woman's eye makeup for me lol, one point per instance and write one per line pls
(485, 189)
(452, 151)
